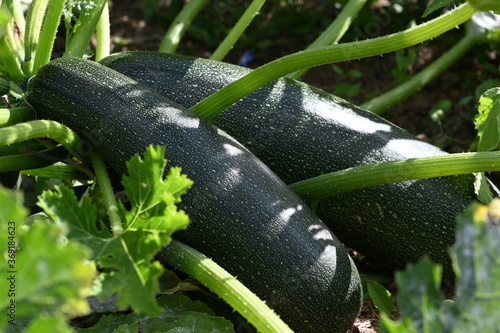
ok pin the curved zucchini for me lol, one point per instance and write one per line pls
(301, 132)
(243, 216)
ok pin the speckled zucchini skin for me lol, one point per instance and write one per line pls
(300, 132)
(243, 216)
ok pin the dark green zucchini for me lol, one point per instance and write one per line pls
(243, 216)
(301, 132)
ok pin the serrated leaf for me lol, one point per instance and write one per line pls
(420, 295)
(477, 257)
(134, 276)
(435, 5)
(180, 313)
(127, 260)
(50, 273)
(380, 296)
(81, 217)
(488, 120)
(152, 196)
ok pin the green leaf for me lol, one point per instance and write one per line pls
(381, 297)
(435, 5)
(488, 120)
(420, 296)
(48, 272)
(81, 217)
(127, 259)
(180, 313)
(152, 197)
(476, 259)
(476, 254)
(53, 324)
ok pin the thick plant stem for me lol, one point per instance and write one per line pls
(48, 34)
(383, 102)
(268, 73)
(14, 116)
(330, 184)
(41, 129)
(176, 30)
(107, 192)
(34, 23)
(103, 35)
(335, 31)
(81, 39)
(224, 285)
(12, 64)
(235, 33)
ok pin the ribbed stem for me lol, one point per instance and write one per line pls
(330, 184)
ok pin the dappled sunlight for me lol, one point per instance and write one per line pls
(346, 117)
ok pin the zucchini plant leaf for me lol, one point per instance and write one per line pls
(435, 5)
(488, 120)
(380, 296)
(151, 196)
(180, 314)
(127, 260)
(40, 255)
(476, 260)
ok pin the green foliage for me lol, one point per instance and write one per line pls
(476, 262)
(381, 297)
(179, 313)
(127, 260)
(46, 270)
(488, 120)
(64, 252)
(435, 5)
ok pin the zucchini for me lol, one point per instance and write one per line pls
(243, 216)
(300, 132)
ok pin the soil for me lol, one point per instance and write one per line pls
(456, 132)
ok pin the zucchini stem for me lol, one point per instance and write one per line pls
(219, 101)
(238, 29)
(181, 22)
(226, 286)
(334, 32)
(333, 183)
(41, 129)
(107, 192)
(48, 35)
(383, 102)
(103, 34)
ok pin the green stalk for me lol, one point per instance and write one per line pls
(107, 192)
(182, 21)
(330, 184)
(335, 31)
(17, 11)
(48, 35)
(10, 60)
(34, 160)
(226, 286)
(34, 23)
(270, 72)
(81, 38)
(383, 102)
(16, 115)
(235, 33)
(40, 129)
(103, 35)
